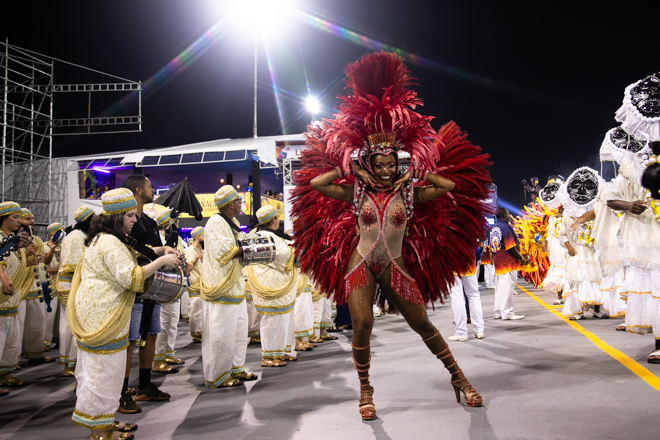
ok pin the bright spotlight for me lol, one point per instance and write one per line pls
(264, 15)
(312, 105)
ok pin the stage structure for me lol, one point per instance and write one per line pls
(29, 175)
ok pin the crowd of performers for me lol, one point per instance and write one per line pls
(386, 211)
(97, 286)
(594, 242)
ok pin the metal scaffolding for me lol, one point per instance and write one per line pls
(29, 176)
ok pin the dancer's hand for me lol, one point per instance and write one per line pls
(571, 251)
(637, 207)
(399, 183)
(575, 224)
(364, 175)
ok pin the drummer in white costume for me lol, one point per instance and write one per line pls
(99, 311)
(53, 251)
(194, 257)
(73, 248)
(224, 312)
(15, 276)
(169, 313)
(273, 289)
(303, 314)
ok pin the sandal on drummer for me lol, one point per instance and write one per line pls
(290, 358)
(162, 367)
(272, 363)
(244, 376)
(128, 427)
(303, 346)
(110, 435)
(172, 361)
(3, 392)
(231, 383)
(329, 337)
(11, 381)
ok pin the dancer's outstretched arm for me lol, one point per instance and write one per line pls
(324, 185)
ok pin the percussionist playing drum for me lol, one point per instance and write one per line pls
(224, 311)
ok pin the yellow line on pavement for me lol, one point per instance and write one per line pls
(644, 374)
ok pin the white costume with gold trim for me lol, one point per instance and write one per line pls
(195, 310)
(10, 332)
(99, 310)
(224, 312)
(32, 314)
(52, 318)
(73, 249)
(169, 321)
(273, 289)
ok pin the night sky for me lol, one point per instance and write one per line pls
(535, 84)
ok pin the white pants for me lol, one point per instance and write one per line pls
(254, 320)
(195, 315)
(52, 324)
(224, 344)
(275, 336)
(100, 378)
(68, 346)
(10, 343)
(169, 324)
(303, 317)
(185, 305)
(504, 284)
(34, 327)
(471, 286)
(489, 275)
(322, 315)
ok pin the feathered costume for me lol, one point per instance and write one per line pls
(532, 231)
(378, 117)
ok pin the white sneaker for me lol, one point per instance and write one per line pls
(458, 338)
(478, 335)
(513, 318)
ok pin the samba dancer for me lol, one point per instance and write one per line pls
(99, 312)
(377, 122)
(224, 312)
(15, 276)
(273, 288)
(195, 257)
(640, 231)
(583, 274)
(73, 248)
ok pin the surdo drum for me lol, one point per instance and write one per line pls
(165, 286)
(257, 249)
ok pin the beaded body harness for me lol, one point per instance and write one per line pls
(382, 221)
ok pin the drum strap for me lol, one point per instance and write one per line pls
(141, 248)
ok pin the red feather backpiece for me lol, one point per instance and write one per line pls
(442, 234)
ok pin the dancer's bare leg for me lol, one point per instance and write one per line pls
(416, 317)
(360, 305)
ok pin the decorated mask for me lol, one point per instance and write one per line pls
(549, 192)
(582, 186)
(622, 140)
